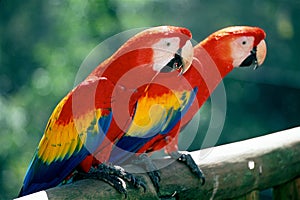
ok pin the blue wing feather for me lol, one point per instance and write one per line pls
(49, 175)
(95, 139)
(41, 175)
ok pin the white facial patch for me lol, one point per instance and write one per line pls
(164, 51)
(240, 49)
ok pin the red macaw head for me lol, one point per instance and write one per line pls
(171, 46)
(154, 50)
(236, 46)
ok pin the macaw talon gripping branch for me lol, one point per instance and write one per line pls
(113, 175)
(189, 161)
(152, 170)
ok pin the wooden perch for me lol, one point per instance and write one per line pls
(233, 170)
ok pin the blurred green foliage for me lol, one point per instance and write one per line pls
(43, 44)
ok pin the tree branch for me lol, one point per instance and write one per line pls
(231, 171)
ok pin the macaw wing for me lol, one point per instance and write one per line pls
(75, 129)
(154, 115)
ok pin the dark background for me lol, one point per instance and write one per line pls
(43, 44)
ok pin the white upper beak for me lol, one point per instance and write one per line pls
(261, 52)
(187, 55)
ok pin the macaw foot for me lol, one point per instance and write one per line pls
(152, 170)
(114, 175)
(189, 161)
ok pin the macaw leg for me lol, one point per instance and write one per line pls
(189, 161)
(172, 150)
(152, 170)
(114, 175)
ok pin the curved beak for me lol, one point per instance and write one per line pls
(261, 52)
(182, 59)
(187, 54)
(256, 56)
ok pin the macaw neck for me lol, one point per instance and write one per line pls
(215, 56)
(206, 72)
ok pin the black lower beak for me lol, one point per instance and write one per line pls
(174, 64)
(250, 60)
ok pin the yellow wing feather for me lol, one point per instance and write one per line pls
(153, 112)
(60, 141)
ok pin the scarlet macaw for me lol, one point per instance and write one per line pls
(167, 107)
(86, 117)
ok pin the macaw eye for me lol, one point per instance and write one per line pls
(240, 49)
